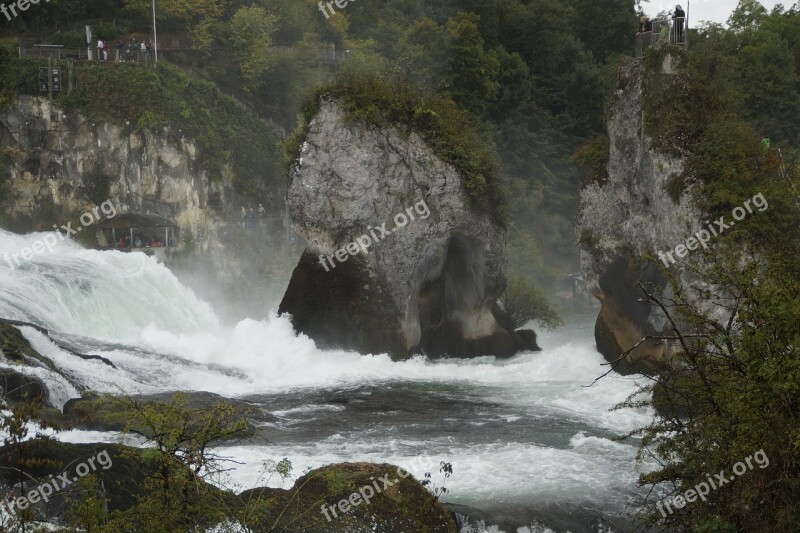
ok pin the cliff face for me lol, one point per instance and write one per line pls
(53, 158)
(626, 221)
(398, 260)
(55, 165)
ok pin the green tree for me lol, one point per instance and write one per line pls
(748, 15)
(176, 498)
(524, 302)
(251, 31)
(607, 26)
(421, 50)
(472, 71)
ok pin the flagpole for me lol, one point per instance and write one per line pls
(155, 33)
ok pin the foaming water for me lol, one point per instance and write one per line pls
(104, 295)
(521, 431)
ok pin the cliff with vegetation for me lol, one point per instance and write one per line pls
(635, 187)
(61, 162)
(150, 141)
(684, 147)
(146, 138)
(699, 139)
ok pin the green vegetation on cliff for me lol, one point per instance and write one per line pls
(731, 388)
(391, 98)
(734, 88)
(163, 99)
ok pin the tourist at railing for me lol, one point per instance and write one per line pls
(679, 19)
(644, 36)
(644, 25)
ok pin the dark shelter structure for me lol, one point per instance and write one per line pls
(132, 232)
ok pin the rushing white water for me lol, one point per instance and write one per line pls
(520, 431)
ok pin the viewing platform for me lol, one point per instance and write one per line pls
(132, 232)
(671, 31)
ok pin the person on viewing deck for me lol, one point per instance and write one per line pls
(644, 25)
(679, 18)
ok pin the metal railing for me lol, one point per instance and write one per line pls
(671, 31)
(126, 54)
(678, 32)
(54, 51)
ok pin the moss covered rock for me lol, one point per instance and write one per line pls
(112, 413)
(352, 498)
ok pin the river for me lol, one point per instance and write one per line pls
(531, 444)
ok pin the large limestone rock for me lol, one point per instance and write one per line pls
(426, 267)
(628, 219)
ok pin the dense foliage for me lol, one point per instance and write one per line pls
(525, 302)
(732, 389)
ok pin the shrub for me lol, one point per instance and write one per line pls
(18, 76)
(675, 187)
(524, 301)
(593, 158)
(106, 32)
(97, 185)
(70, 39)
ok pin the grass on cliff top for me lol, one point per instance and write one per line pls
(141, 97)
(391, 98)
(151, 98)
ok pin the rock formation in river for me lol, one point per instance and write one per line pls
(626, 220)
(425, 268)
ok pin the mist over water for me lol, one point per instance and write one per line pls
(524, 433)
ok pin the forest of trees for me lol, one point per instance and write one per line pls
(531, 75)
